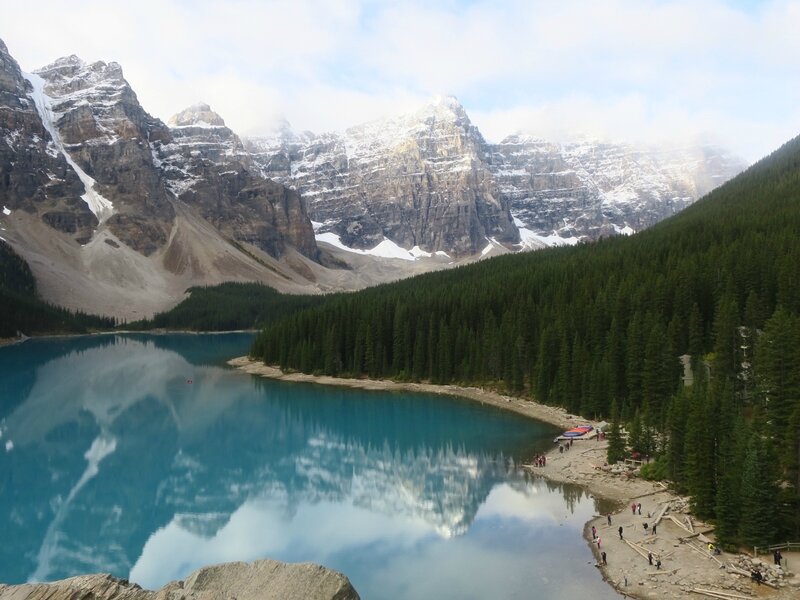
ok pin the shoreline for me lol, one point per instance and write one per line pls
(51, 336)
(549, 414)
(686, 564)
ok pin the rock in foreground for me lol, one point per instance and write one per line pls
(260, 580)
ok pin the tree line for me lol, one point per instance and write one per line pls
(599, 329)
(23, 311)
(225, 307)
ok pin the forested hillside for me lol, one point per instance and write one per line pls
(599, 329)
(226, 307)
(22, 311)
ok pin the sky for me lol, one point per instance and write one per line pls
(658, 71)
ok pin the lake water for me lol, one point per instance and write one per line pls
(147, 457)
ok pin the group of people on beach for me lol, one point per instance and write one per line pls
(540, 460)
(565, 446)
(636, 509)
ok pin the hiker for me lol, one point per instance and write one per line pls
(594, 532)
(620, 532)
(654, 529)
(633, 508)
(625, 577)
(608, 516)
(561, 449)
(598, 543)
(658, 564)
(639, 508)
(544, 460)
(650, 558)
(756, 576)
(645, 526)
(778, 556)
(603, 554)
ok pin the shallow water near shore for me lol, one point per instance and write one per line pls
(147, 457)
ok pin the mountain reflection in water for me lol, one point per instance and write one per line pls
(146, 457)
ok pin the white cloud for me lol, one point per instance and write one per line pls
(628, 67)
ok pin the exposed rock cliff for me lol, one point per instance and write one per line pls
(418, 180)
(34, 176)
(589, 189)
(98, 123)
(208, 168)
(430, 179)
(260, 580)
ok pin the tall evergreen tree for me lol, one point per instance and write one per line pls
(616, 440)
(759, 496)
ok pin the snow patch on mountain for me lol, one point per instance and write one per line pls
(100, 206)
(385, 249)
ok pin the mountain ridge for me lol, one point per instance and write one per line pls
(556, 193)
(119, 213)
(87, 204)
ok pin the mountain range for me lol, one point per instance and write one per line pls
(118, 213)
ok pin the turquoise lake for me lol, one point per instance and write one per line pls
(147, 457)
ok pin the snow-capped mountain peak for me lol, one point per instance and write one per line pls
(197, 115)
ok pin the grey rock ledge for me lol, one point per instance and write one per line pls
(259, 580)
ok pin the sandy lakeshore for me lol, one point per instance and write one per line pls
(686, 564)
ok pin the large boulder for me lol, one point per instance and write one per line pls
(260, 580)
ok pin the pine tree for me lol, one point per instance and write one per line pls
(616, 441)
(728, 501)
(759, 496)
(676, 436)
(699, 450)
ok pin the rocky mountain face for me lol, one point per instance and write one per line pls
(34, 176)
(118, 213)
(430, 179)
(590, 189)
(259, 580)
(76, 123)
(207, 167)
(419, 180)
(96, 121)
